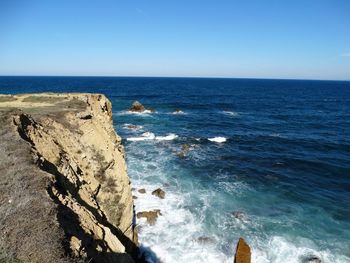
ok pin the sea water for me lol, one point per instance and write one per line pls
(266, 160)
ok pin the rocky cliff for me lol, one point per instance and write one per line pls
(64, 190)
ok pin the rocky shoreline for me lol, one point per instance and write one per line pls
(65, 195)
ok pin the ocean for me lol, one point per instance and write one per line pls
(266, 160)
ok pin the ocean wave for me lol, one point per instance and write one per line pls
(217, 139)
(178, 112)
(169, 137)
(144, 137)
(150, 136)
(144, 113)
(279, 249)
(231, 113)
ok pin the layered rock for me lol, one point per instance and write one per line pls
(66, 164)
(243, 253)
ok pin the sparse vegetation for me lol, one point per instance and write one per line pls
(7, 98)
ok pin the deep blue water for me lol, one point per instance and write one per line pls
(281, 179)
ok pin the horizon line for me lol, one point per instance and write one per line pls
(178, 77)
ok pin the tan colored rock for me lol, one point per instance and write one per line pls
(73, 141)
(151, 216)
(159, 192)
(137, 107)
(243, 253)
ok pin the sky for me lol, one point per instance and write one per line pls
(303, 39)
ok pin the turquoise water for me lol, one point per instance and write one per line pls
(280, 177)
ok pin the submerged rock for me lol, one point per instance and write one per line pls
(205, 240)
(151, 216)
(185, 148)
(243, 253)
(142, 191)
(238, 214)
(178, 111)
(312, 259)
(159, 192)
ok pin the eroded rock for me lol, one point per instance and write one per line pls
(243, 253)
(142, 191)
(151, 216)
(159, 192)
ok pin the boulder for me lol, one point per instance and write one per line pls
(142, 191)
(159, 192)
(151, 216)
(242, 252)
(185, 148)
(312, 259)
(137, 107)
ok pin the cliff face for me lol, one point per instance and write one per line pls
(64, 191)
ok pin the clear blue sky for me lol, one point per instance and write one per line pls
(211, 38)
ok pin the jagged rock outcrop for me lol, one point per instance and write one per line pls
(138, 107)
(64, 191)
(243, 253)
(159, 192)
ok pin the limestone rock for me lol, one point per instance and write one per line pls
(137, 107)
(142, 191)
(151, 216)
(243, 253)
(159, 192)
(74, 179)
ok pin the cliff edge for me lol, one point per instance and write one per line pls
(64, 190)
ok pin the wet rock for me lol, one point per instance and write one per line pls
(185, 148)
(142, 191)
(151, 216)
(205, 240)
(134, 197)
(159, 192)
(238, 214)
(131, 126)
(242, 252)
(178, 111)
(312, 259)
(137, 107)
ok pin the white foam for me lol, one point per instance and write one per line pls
(144, 137)
(278, 249)
(169, 137)
(130, 126)
(144, 113)
(178, 112)
(231, 113)
(217, 139)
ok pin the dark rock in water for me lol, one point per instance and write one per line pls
(134, 197)
(137, 107)
(178, 111)
(205, 240)
(151, 216)
(159, 192)
(131, 126)
(311, 259)
(142, 191)
(242, 252)
(238, 214)
(185, 148)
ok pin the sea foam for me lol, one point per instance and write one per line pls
(217, 139)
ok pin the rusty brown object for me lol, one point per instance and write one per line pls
(242, 252)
